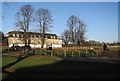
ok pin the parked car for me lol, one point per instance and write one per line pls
(28, 48)
(15, 47)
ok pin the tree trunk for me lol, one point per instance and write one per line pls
(42, 41)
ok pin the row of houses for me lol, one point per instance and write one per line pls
(34, 39)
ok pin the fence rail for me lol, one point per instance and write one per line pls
(67, 52)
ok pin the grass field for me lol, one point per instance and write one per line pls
(49, 68)
(53, 67)
(8, 59)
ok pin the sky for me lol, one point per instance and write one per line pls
(101, 18)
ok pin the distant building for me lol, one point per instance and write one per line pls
(34, 39)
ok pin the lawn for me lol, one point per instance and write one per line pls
(49, 68)
(8, 59)
(33, 61)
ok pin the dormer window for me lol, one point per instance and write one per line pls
(13, 35)
(17, 35)
(22, 35)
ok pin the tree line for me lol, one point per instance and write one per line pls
(43, 24)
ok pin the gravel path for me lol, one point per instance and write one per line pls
(108, 57)
(91, 59)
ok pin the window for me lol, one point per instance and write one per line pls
(39, 42)
(27, 41)
(53, 42)
(34, 41)
(13, 41)
(60, 42)
(21, 41)
(57, 42)
(22, 35)
(13, 35)
(31, 41)
(17, 35)
(17, 41)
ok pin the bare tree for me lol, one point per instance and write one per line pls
(23, 19)
(80, 35)
(44, 21)
(73, 24)
(66, 37)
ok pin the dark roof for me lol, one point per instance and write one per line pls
(20, 32)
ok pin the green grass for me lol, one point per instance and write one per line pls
(30, 62)
(114, 48)
(8, 59)
(42, 68)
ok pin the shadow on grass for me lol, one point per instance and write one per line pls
(11, 64)
(65, 69)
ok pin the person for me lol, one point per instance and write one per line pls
(104, 47)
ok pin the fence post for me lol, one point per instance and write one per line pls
(35, 51)
(100, 53)
(97, 53)
(26, 51)
(8, 49)
(86, 52)
(45, 52)
(92, 53)
(57, 52)
(79, 53)
(65, 53)
(72, 53)
(23, 51)
(40, 52)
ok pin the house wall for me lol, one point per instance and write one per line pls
(34, 42)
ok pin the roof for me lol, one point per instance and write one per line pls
(20, 32)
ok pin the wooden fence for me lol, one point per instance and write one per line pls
(87, 52)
